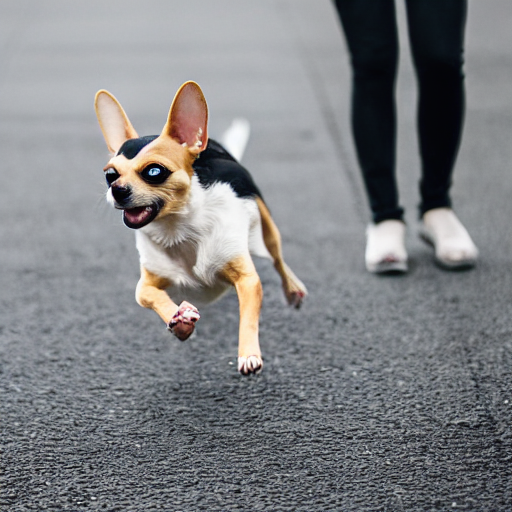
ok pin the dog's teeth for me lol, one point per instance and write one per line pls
(199, 143)
(148, 208)
(200, 132)
(184, 144)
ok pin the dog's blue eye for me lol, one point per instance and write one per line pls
(111, 175)
(155, 174)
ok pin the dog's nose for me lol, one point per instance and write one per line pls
(121, 194)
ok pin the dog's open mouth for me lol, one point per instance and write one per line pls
(140, 216)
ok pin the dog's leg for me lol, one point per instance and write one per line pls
(294, 289)
(243, 276)
(151, 294)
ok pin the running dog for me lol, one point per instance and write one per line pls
(198, 218)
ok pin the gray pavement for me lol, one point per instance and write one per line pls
(380, 394)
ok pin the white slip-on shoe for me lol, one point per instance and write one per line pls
(454, 249)
(385, 247)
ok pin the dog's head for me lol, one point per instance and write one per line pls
(150, 177)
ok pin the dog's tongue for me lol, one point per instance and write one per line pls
(138, 215)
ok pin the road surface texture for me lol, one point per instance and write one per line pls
(381, 394)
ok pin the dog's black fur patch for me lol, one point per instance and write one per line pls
(216, 165)
(130, 149)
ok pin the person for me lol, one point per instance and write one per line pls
(436, 34)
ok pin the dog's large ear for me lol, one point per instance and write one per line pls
(114, 122)
(188, 118)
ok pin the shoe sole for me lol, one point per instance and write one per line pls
(388, 267)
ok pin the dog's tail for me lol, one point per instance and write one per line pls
(235, 138)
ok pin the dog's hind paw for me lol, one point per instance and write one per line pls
(182, 324)
(296, 297)
(250, 364)
(294, 289)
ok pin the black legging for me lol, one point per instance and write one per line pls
(436, 34)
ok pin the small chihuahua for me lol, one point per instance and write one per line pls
(198, 215)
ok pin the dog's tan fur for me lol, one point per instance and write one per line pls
(243, 276)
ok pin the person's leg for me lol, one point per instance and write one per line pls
(371, 35)
(436, 32)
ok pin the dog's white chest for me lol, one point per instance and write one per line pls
(194, 247)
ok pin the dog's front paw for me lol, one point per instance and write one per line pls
(250, 364)
(182, 324)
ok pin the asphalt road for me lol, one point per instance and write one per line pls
(380, 394)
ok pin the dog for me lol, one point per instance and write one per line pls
(198, 215)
